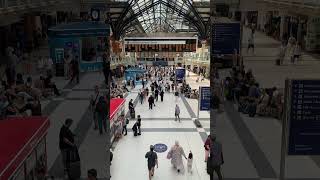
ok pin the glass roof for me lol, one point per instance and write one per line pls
(162, 15)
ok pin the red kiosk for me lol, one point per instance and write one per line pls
(117, 108)
(23, 152)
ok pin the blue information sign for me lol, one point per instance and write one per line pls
(205, 98)
(226, 38)
(160, 148)
(181, 72)
(304, 119)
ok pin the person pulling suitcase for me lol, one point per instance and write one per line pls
(135, 129)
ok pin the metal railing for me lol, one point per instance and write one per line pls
(11, 5)
(313, 4)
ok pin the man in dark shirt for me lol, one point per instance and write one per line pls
(66, 141)
(156, 93)
(75, 70)
(151, 102)
(139, 125)
(152, 161)
(131, 106)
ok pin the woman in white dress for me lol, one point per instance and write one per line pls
(175, 154)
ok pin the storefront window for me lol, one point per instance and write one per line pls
(93, 48)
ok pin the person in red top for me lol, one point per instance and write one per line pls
(207, 147)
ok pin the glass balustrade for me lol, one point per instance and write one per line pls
(16, 3)
(12, 3)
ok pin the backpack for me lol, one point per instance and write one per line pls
(127, 121)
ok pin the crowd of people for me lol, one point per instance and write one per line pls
(242, 87)
(20, 92)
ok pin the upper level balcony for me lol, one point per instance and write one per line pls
(307, 7)
(14, 6)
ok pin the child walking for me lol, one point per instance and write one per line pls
(189, 162)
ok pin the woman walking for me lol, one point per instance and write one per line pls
(175, 154)
(177, 112)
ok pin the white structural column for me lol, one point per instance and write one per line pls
(244, 17)
(299, 33)
(261, 19)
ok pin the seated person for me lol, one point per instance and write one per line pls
(3, 101)
(254, 92)
(48, 84)
(271, 92)
(34, 106)
(11, 110)
(19, 80)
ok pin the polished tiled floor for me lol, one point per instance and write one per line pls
(251, 145)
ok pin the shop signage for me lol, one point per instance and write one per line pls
(204, 98)
(304, 118)
(160, 148)
(313, 34)
(160, 63)
(226, 38)
(180, 73)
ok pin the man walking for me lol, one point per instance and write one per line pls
(139, 125)
(251, 41)
(177, 112)
(151, 102)
(156, 93)
(161, 95)
(141, 96)
(75, 70)
(152, 161)
(124, 127)
(215, 159)
(143, 83)
(66, 142)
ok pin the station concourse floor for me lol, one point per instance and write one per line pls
(251, 146)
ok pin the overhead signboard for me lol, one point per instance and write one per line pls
(226, 38)
(304, 118)
(204, 99)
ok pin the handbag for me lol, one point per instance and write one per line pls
(169, 155)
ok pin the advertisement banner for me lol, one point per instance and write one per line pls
(180, 73)
(204, 98)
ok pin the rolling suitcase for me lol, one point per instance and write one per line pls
(133, 114)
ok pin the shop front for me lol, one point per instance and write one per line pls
(82, 41)
(25, 154)
(313, 35)
(117, 112)
(135, 74)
